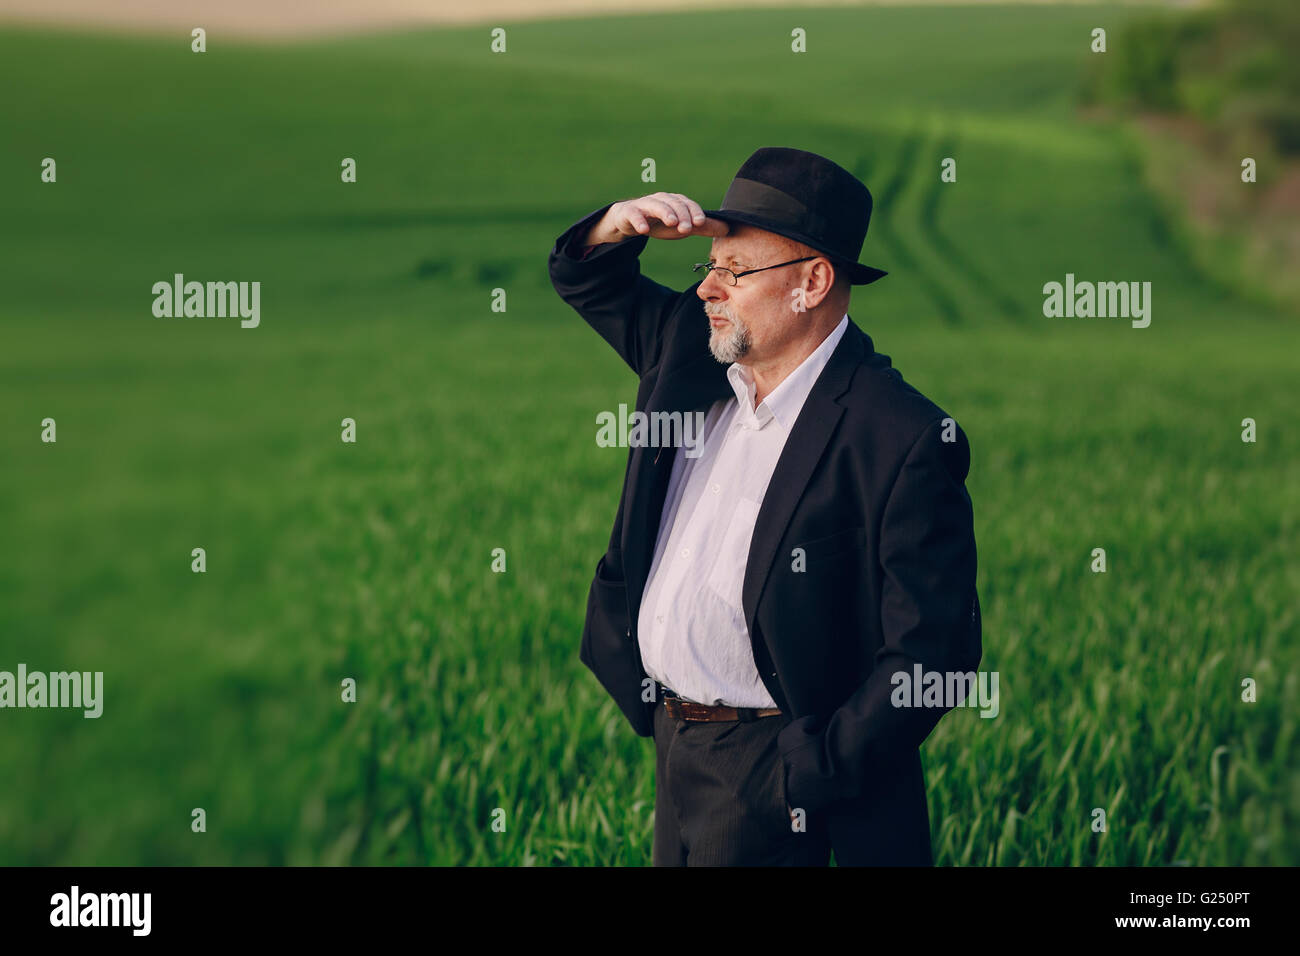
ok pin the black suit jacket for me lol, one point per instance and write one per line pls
(874, 497)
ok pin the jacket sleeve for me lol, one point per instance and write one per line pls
(929, 616)
(605, 286)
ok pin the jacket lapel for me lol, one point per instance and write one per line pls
(803, 449)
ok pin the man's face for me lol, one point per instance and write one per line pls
(753, 320)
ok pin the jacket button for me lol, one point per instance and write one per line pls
(773, 673)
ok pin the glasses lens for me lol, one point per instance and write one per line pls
(726, 276)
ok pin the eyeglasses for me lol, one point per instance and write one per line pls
(730, 277)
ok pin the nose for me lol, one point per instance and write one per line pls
(712, 288)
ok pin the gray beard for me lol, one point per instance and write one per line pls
(733, 346)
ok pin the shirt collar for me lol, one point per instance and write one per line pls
(787, 399)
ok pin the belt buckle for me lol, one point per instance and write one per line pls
(680, 709)
(692, 710)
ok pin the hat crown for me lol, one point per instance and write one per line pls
(813, 180)
(805, 197)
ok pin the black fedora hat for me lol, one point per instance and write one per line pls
(807, 198)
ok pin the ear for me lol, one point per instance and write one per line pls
(819, 282)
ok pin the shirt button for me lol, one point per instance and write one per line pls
(660, 618)
(717, 488)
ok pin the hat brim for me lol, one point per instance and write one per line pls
(858, 273)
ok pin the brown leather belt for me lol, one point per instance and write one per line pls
(690, 710)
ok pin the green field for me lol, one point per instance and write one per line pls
(476, 430)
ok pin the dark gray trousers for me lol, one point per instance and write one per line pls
(720, 797)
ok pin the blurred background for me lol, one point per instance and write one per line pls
(476, 429)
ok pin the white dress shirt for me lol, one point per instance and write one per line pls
(691, 626)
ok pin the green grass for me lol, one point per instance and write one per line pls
(476, 431)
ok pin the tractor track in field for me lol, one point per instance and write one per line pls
(963, 265)
(900, 173)
(912, 194)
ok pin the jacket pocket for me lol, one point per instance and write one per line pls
(609, 590)
(834, 545)
(608, 627)
(607, 649)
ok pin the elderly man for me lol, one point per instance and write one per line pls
(759, 595)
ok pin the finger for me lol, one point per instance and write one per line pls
(633, 220)
(697, 213)
(660, 209)
(683, 211)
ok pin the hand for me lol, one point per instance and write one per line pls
(659, 216)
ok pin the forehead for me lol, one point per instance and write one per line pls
(743, 243)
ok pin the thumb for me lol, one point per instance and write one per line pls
(711, 227)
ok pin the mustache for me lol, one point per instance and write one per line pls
(722, 309)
